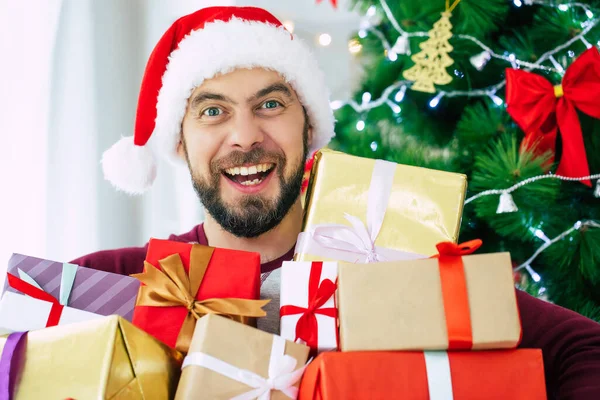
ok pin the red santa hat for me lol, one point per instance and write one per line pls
(196, 47)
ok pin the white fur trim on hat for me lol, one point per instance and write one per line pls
(128, 167)
(220, 47)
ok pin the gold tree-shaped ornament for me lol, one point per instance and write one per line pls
(433, 59)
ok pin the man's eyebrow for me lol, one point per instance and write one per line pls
(203, 96)
(276, 87)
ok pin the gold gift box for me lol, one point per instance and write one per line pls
(108, 358)
(424, 208)
(399, 305)
(234, 343)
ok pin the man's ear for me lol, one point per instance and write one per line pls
(181, 148)
(309, 131)
(309, 134)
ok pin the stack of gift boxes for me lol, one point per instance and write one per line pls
(415, 315)
(379, 302)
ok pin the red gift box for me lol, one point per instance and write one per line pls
(468, 375)
(230, 274)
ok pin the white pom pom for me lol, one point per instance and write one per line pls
(128, 167)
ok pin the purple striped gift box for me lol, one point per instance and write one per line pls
(95, 291)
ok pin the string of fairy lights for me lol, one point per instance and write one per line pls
(479, 60)
(393, 95)
(507, 205)
(526, 265)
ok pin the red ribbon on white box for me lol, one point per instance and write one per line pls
(319, 293)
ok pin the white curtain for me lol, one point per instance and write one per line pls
(70, 72)
(69, 92)
(27, 38)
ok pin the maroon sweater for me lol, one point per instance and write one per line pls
(570, 342)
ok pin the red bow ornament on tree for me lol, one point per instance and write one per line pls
(541, 109)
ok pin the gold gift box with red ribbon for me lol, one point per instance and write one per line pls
(454, 301)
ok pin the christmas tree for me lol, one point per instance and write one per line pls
(508, 93)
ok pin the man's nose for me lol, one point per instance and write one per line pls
(246, 132)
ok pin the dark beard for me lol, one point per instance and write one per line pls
(258, 215)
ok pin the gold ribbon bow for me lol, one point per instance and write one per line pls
(172, 286)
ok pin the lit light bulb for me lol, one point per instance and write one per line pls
(518, 3)
(513, 60)
(360, 125)
(563, 7)
(400, 95)
(371, 11)
(366, 97)
(497, 100)
(374, 146)
(585, 42)
(589, 14)
(362, 33)
(436, 100)
(395, 107)
(540, 234)
(324, 39)
(534, 275)
(392, 56)
(354, 46)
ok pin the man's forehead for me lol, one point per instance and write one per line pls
(242, 83)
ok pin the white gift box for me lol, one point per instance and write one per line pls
(20, 313)
(295, 277)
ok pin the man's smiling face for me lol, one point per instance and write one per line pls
(245, 137)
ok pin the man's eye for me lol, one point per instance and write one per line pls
(212, 112)
(271, 104)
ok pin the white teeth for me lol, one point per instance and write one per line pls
(253, 169)
(264, 167)
(252, 182)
